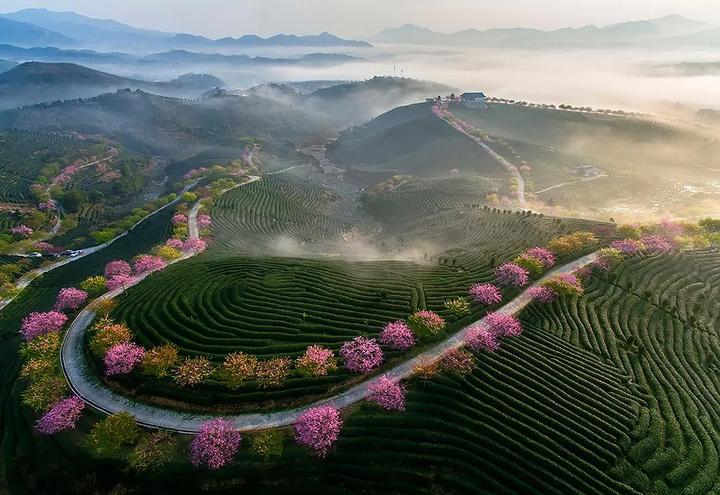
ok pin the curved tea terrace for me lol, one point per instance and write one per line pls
(86, 384)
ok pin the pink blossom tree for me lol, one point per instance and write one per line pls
(204, 221)
(62, 415)
(194, 245)
(656, 244)
(22, 231)
(122, 358)
(479, 338)
(544, 255)
(486, 293)
(119, 282)
(544, 295)
(70, 298)
(510, 274)
(174, 243)
(361, 354)
(216, 444)
(41, 323)
(628, 246)
(426, 324)
(398, 336)
(179, 219)
(148, 263)
(316, 361)
(117, 267)
(387, 393)
(565, 284)
(503, 324)
(318, 428)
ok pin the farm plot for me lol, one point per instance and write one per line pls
(658, 321)
(256, 216)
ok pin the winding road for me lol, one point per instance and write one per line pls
(455, 122)
(26, 279)
(86, 384)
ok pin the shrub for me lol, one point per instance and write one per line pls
(361, 354)
(272, 372)
(426, 368)
(94, 285)
(45, 391)
(153, 451)
(478, 338)
(546, 257)
(166, 252)
(70, 298)
(457, 361)
(120, 359)
(35, 369)
(110, 435)
(193, 371)
(533, 265)
(397, 335)
(572, 243)
(318, 428)
(486, 293)
(510, 274)
(458, 306)
(117, 267)
(426, 324)
(317, 361)
(158, 361)
(215, 445)
(237, 368)
(108, 334)
(565, 284)
(44, 347)
(503, 325)
(608, 258)
(63, 415)
(387, 393)
(36, 324)
(267, 444)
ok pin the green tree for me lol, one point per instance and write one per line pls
(113, 433)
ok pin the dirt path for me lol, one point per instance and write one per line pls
(461, 126)
(563, 184)
(86, 385)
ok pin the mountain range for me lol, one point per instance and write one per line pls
(42, 27)
(36, 82)
(672, 28)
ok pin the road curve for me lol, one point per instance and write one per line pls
(26, 279)
(85, 384)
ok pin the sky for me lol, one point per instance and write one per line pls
(364, 18)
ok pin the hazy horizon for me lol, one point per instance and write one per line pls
(219, 18)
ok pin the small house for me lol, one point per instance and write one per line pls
(473, 100)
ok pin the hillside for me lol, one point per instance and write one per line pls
(36, 82)
(411, 140)
(167, 126)
(26, 34)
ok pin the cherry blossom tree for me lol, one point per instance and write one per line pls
(361, 354)
(272, 372)
(119, 282)
(148, 263)
(63, 415)
(544, 295)
(656, 244)
(195, 245)
(510, 274)
(565, 284)
(179, 219)
(193, 371)
(158, 361)
(174, 243)
(237, 368)
(398, 336)
(426, 324)
(544, 255)
(120, 359)
(479, 338)
(457, 361)
(503, 324)
(70, 298)
(41, 323)
(204, 221)
(628, 246)
(486, 293)
(117, 267)
(387, 393)
(22, 231)
(316, 361)
(216, 444)
(318, 429)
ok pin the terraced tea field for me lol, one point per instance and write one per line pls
(657, 322)
(254, 217)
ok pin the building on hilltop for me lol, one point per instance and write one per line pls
(473, 100)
